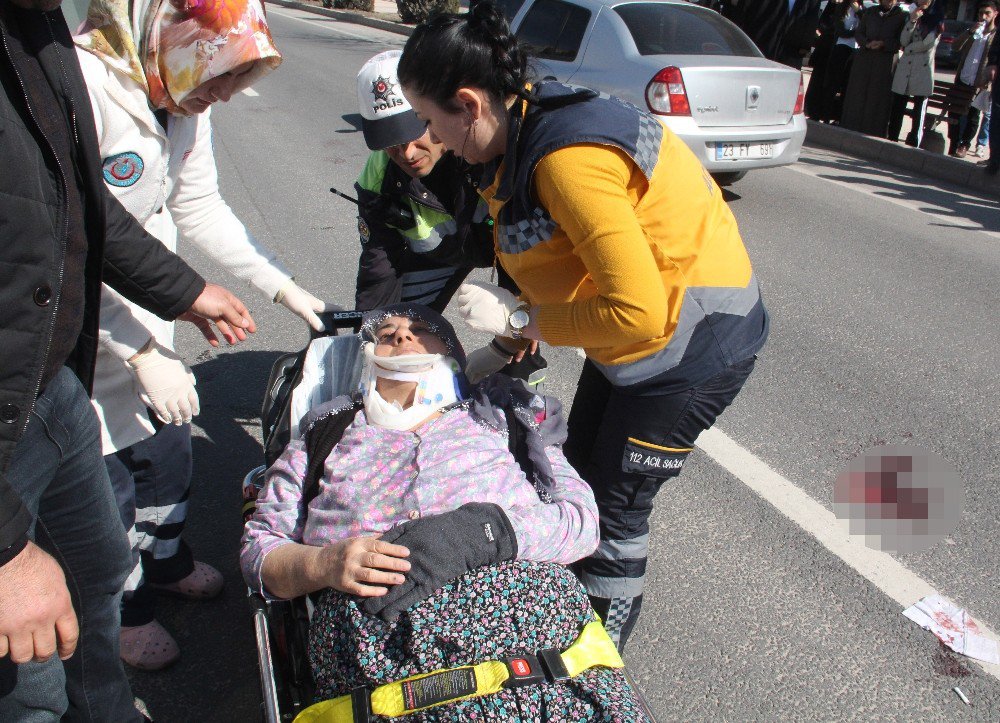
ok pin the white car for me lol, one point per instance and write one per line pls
(694, 69)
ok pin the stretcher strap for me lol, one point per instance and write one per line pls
(591, 649)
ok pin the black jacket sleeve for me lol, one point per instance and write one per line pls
(142, 269)
(994, 55)
(14, 521)
(380, 278)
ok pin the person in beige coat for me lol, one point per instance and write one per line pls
(914, 75)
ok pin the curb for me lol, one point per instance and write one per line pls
(915, 160)
(348, 16)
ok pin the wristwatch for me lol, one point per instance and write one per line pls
(517, 320)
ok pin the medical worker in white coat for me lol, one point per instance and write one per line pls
(153, 68)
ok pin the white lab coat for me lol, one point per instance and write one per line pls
(176, 195)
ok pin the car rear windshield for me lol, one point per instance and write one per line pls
(956, 26)
(662, 29)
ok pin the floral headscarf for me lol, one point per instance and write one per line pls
(182, 43)
(109, 33)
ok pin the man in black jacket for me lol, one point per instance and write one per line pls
(784, 30)
(63, 552)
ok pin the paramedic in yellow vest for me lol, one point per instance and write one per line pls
(621, 244)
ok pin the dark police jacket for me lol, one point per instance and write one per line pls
(426, 262)
(33, 214)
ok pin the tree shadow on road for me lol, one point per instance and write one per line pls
(216, 677)
(935, 197)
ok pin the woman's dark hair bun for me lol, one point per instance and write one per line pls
(487, 16)
(473, 48)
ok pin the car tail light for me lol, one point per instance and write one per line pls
(800, 99)
(666, 94)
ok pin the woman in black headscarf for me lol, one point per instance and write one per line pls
(868, 100)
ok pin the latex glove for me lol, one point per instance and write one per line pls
(303, 304)
(485, 307)
(167, 383)
(483, 362)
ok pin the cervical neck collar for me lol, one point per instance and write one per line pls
(434, 375)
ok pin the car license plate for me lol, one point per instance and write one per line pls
(738, 151)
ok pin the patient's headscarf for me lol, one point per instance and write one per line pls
(181, 43)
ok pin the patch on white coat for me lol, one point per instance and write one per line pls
(123, 170)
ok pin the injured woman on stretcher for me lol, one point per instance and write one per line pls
(429, 546)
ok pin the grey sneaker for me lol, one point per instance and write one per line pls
(980, 152)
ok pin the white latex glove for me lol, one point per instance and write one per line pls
(167, 383)
(483, 362)
(303, 304)
(485, 307)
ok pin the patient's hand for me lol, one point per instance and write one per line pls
(361, 566)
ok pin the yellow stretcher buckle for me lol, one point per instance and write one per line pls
(591, 649)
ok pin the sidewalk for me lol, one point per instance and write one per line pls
(385, 16)
(959, 171)
(963, 172)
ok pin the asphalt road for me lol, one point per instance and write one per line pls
(884, 296)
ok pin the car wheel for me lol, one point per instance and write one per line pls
(728, 178)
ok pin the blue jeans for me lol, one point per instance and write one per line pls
(995, 129)
(60, 475)
(984, 131)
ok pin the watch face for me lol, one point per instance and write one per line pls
(519, 319)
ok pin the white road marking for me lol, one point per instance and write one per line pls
(921, 206)
(327, 25)
(250, 92)
(880, 568)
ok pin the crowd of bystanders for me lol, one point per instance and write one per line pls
(874, 66)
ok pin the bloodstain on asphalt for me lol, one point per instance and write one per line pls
(946, 663)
